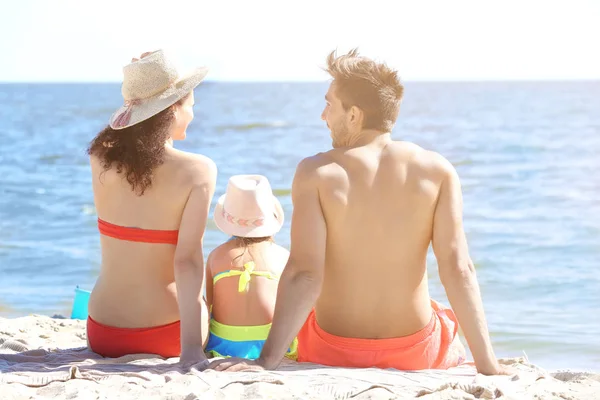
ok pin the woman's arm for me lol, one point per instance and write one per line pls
(189, 262)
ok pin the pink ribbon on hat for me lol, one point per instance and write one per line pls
(242, 222)
(123, 118)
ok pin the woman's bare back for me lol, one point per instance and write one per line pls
(136, 286)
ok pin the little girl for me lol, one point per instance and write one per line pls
(242, 274)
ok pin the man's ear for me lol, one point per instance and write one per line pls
(356, 116)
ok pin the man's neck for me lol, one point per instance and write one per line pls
(367, 137)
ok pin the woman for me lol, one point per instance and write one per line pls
(152, 202)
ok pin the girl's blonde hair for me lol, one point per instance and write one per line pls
(246, 242)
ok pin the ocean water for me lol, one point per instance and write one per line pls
(527, 155)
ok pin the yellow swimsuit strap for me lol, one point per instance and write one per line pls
(244, 275)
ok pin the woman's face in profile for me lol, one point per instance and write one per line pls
(184, 114)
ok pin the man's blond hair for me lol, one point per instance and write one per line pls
(371, 86)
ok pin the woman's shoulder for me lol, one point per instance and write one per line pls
(193, 160)
(193, 166)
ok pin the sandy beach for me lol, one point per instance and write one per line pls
(46, 358)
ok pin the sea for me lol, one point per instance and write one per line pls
(527, 154)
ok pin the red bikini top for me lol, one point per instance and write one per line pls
(137, 234)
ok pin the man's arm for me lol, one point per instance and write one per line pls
(209, 282)
(302, 278)
(189, 263)
(457, 271)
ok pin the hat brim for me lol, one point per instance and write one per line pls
(147, 108)
(270, 227)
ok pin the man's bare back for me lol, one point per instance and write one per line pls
(379, 202)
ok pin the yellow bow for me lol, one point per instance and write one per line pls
(245, 277)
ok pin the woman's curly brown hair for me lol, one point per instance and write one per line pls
(136, 150)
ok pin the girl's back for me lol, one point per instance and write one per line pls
(252, 266)
(243, 273)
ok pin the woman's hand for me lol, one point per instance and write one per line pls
(193, 357)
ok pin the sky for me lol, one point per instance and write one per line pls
(284, 40)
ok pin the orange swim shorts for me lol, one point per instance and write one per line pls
(437, 346)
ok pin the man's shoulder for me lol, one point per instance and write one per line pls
(406, 147)
(425, 160)
(318, 160)
(311, 171)
(312, 165)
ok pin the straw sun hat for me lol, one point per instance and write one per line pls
(248, 208)
(150, 85)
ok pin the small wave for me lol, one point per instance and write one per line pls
(251, 126)
(50, 159)
(463, 162)
(282, 192)
(7, 245)
(88, 210)
(94, 113)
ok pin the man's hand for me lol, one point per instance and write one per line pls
(237, 364)
(498, 370)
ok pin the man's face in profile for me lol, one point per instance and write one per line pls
(334, 116)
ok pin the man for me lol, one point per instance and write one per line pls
(364, 215)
